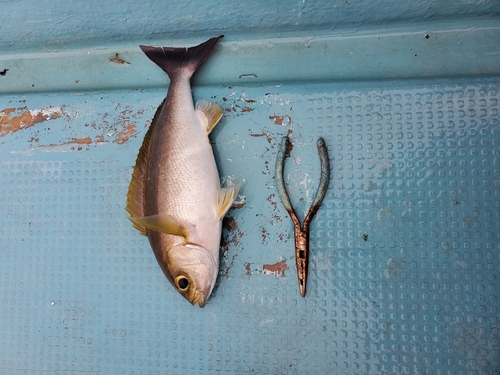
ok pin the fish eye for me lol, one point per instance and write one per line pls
(182, 283)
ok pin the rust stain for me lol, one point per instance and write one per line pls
(276, 269)
(249, 270)
(281, 120)
(77, 144)
(229, 223)
(118, 60)
(126, 134)
(265, 233)
(249, 100)
(230, 236)
(26, 118)
(82, 141)
(246, 109)
(270, 200)
(258, 135)
(289, 149)
(100, 139)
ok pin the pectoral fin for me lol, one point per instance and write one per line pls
(164, 223)
(208, 113)
(226, 198)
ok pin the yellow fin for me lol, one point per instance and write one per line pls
(162, 223)
(226, 198)
(136, 196)
(209, 114)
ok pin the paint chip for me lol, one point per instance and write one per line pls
(26, 118)
(130, 131)
(277, 269)
(281, 120)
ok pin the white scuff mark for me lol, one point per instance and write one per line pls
(240, 200)
(27, 152)
(47, 111)
(228, 180)
(272, 273)
(267, 321)
(306, 181)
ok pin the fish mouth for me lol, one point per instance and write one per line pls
(199, 298)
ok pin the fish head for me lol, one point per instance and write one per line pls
(193, 270)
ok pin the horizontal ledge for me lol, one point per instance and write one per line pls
(471, 48)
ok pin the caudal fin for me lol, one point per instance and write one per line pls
(173, 60)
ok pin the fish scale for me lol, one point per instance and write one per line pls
(175, 196)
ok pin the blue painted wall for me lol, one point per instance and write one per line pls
(404, 270)
(52, 25)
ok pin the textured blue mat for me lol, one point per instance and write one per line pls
(404, 269)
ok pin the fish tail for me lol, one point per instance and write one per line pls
(173, 60)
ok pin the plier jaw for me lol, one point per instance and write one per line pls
(301, 231)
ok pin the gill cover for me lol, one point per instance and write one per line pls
(193, 271)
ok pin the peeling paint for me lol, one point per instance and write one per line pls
(239, 202)
(26, 118)
(277, 269)
(75, 144)
(129, 132)
(4, 72)
(281, 120)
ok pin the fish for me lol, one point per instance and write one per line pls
(175, 197)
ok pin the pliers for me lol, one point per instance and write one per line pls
(301, 232)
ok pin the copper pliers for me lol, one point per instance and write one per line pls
(301, 232)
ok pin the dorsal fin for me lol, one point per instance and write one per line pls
(208, 113)
(136, 196)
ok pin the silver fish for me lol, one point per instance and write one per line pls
(175, 196)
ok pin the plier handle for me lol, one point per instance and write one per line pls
(301, 232)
